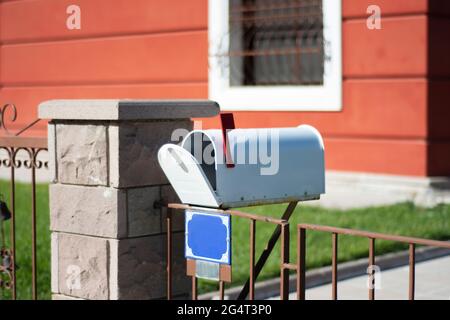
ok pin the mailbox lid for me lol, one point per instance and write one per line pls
(186, 176)
(296, 174)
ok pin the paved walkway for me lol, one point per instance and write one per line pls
(432, 282)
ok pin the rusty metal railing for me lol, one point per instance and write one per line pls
(281, 229)
(31, 147)
(372, 236)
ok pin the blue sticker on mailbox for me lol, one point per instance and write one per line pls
(208, 237)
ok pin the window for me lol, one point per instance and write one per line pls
(275, 54)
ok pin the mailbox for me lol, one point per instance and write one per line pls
(246, 167)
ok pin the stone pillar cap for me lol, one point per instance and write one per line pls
(127, 109)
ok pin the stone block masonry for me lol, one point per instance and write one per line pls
(108, 239)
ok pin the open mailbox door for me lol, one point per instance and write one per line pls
(186, 176)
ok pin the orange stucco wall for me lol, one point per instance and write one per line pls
(395, 116)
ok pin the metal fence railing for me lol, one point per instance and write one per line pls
(281, 233)
(372, 236)
(11, 145)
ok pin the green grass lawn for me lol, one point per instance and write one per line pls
(401, 219)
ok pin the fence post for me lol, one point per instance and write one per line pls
(301, 263)
(284, 276)
(108, 239)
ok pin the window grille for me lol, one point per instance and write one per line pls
(276, 42)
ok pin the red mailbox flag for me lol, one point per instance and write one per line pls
(227, 121)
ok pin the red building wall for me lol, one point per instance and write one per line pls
(395, 117)
(125, 49)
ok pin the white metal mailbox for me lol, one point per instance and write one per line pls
(269, 166)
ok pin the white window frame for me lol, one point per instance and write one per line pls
(326, 97)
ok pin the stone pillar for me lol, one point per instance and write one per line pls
(108, 240)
